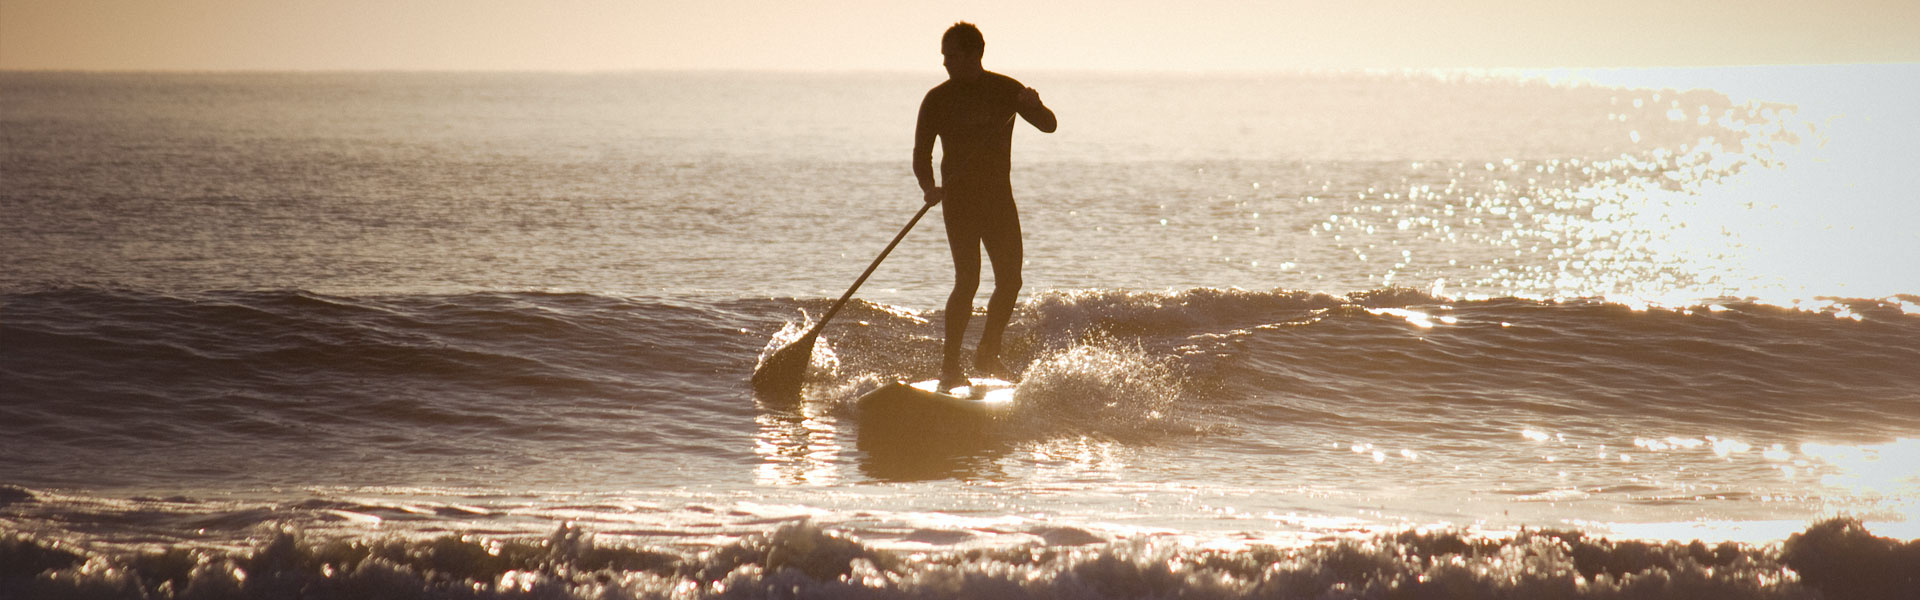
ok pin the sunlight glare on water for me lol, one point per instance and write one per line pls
(1882, 478)
(1876, 482)
(1778, 218)
(1754, 190)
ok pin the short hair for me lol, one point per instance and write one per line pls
(966, 36)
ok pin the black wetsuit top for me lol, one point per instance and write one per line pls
(974, 121)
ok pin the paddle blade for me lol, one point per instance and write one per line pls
(781, 375)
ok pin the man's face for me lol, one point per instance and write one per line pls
(960, 63)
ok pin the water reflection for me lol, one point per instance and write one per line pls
(804, 445)
(797, 446)
(1078, 458)
(925, 453)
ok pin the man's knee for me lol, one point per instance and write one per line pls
(964, 289)
(1006, 285)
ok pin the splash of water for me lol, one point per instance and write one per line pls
(823, 365)
(1102, 386)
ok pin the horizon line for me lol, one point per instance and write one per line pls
(899, 71)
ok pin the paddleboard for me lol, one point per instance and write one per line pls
(902, 412)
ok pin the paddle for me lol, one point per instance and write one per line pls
(782, 374)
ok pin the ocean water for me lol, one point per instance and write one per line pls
(1624, 334)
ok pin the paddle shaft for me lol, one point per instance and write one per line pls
(815, 332)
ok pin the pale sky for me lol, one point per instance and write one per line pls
(1123, 35)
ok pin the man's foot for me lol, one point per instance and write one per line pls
(990, 365)
(953, 376)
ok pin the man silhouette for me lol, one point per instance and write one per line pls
(972, 115)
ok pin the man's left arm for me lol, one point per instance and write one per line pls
(1030, 108)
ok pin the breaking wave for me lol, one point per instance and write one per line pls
(1833, 559)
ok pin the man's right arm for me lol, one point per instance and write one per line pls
(923, 136)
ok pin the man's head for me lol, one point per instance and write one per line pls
(962, 46)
